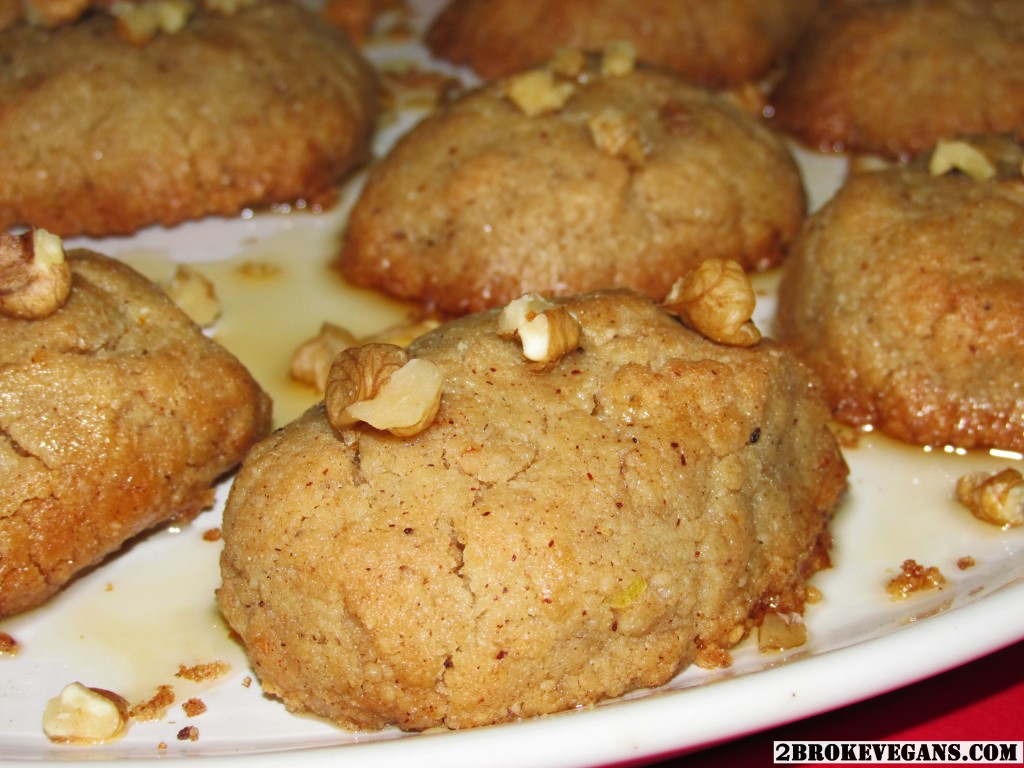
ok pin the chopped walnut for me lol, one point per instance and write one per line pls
(568, 62)
(200, 672)
(717, 300)
(965, 562)
(311, 362)
(155, 707)
(84, 715)
(914, 578)
(537, 92)
(35, 278)
(618, 59)
(618, 134)
(194, 294)
(546, 330)
(379, 384)
(188, 733)
(961, 156)
(713, 657)
(997, 498)
(139, 22)
(781, 631)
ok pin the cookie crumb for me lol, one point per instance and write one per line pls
(154, 708)
(214, 534)
(200, 672)
(8, 645)
(965, 562)
(914, 577)
(194, 707)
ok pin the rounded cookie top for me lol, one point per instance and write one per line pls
(712, 42)
(563, 183)
(906, 294)
(99, 136)
(118, 413)
(556, 535)
(892, 77)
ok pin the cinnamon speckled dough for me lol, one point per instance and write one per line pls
(117, 414)
(98, 136)
(480, 202)
(552, 539)
(891, 77)
(906, 294)
(712, 42)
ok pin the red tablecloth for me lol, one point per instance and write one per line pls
(981, 701)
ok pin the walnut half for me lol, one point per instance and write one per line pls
(379, 384)
(717, 300)
(35, 278)
(84, 715)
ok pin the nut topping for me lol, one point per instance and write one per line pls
(547, 331)
(537, 92)
(997, 498)
(35, 278)
(84, 715)
(378, 384)
(717, 300)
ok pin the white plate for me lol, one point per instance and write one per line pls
(128, 625)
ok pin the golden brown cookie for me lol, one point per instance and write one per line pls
(562, 183)
(711, 42)
(891, 77)
(906, 294)
(99, 136)
(118, 414)
(557, 534)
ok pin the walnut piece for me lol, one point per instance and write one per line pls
(378, 384)
(618, 134)
(84, 715)
(547, 331)
(568, 62)
(139, 22)
(35, 278)
(618, 58)
(537, 92)
(195, 294)
(780, 631)
(311, 362)
(717, 300)
(995, 498)
(960, 156)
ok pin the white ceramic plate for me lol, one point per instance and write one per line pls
(128, 625)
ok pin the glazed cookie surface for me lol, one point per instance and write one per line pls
(118, 414)
(99, 136)
(710, 42)
(556, 535)
(892, 77)
(906, 294)
(565, 183)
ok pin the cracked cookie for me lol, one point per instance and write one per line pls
(906, 294)
(712, 42)
(582, 175)
(599, 500)
(101, 136)
(118, 414)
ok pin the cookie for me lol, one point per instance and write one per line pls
(567, 181)
(99, 136)
(892, 77)
(557, 533)
(118, 414)
(709, 42)
(906, 294)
